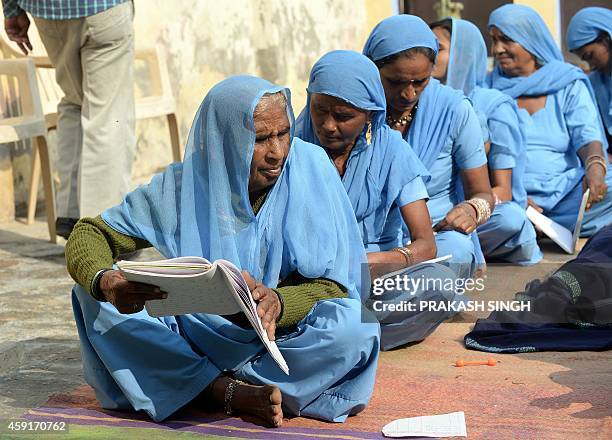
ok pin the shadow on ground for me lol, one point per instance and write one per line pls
(584, 376)
(34, 369)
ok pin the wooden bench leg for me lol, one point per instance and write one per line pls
(174, 137)
(45, 165)
(34, 181)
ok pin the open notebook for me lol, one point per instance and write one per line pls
(556, 232)
(195, 285)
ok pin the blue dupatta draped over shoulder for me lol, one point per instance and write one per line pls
(584, 28)
(201, 207)
(467, 71)
(379, 177)
(435, 116)
(525, 26)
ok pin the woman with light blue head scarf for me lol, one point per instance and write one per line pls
(589, 35)
(442, 128)
(564, 134)
(248, 192)
(384, 179)
(462, 64)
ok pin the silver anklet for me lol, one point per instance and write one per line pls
(229, 393)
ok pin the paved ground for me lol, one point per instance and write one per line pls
(39, 353)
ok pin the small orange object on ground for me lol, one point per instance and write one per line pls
(461, 363)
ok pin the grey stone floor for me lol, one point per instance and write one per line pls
(39, 353)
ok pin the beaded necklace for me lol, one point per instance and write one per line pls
(403, 121)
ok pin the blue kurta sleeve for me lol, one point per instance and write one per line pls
(581, 116)
(468, 146)
(412, 191)
(505, 137)
(407, 174)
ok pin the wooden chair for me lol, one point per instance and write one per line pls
(159, 100)
(29, 124)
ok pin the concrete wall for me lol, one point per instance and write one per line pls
(205, 41)
(276, 39)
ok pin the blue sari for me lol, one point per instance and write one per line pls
(584, 28)
(508, 235)
(201, 207)
(554, 134)
(445, 133)
(380, 178)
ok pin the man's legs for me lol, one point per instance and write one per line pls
(62, 40)
(107, 114)
(93, 58)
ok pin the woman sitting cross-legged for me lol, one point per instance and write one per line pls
(247, 192)
(440, 125)
(384, 179)
(564, 134)
(462, 64)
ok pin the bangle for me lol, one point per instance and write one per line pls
(483, 210)
(95, 285)
(591, 157)
(596, 160)
(407, 253)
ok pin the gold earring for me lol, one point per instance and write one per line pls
(414, 93)
(368, 135)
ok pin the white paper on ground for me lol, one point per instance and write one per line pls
(443, 425)
(556, 232)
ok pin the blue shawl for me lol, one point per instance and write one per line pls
(523, 25)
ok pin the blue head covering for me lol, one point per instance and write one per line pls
(467, 63)
(523, 25)
(351, 77)
(467, 67)
(377, 173)
(586, 25)
(201, 207)
(584, 28)
(398, 33)
(435, 115)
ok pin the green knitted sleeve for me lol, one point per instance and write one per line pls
(300, 294)
(92, 246)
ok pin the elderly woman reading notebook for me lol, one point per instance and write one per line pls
(247, 192)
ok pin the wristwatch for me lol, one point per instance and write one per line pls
(95, 285)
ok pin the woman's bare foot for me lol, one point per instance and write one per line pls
(263, 402)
